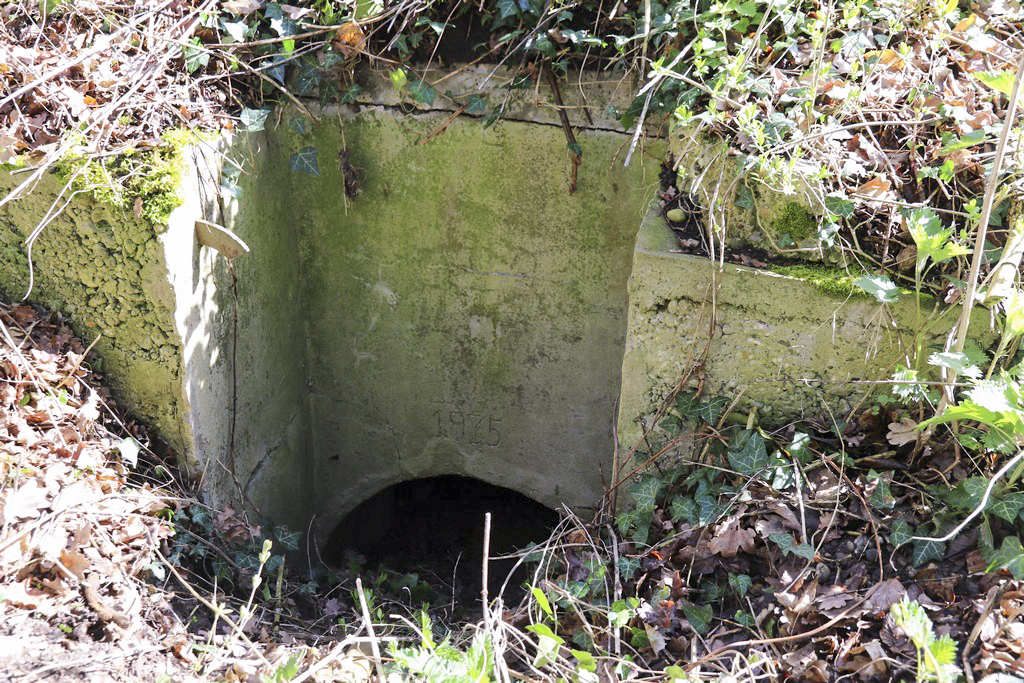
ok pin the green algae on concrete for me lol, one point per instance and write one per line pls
(464, 314)
(106, 270)
(794, 348)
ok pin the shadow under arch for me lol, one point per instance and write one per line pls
(435, 525)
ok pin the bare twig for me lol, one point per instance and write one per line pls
(368, 625)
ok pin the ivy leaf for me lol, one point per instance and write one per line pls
(699, 617)
(901, 532)
(305, 161)
(645, 492)
(307, 77)
(625, 520)
(628, 566)
(799, 448)
(880, 287)
(839, 205)
(740, 584)
(288, 539)
(967, 494)
(924, 551)
(476, 105)
(1007, 507)
(1010, 556)
(684, 509)
(421, 92)
(747, 453)
(236, 29)
(254, 119)
(880, 496)
(789, 546)
(507, 8)
(195, 58)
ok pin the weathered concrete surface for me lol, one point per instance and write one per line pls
(110, 273)
(794, 349)
(464, 314)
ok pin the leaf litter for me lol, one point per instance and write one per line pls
(89, 506)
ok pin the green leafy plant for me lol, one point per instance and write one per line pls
(444, 662)
(936, 656)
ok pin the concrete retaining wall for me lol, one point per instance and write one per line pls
(465, 314)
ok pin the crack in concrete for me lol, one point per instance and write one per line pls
(441, 110)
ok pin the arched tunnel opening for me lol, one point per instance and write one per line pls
(435, 527)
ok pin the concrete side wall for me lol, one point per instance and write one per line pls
(793, 349)
(109, 272)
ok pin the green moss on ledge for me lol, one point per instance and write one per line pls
(151, 178)
(833, 281)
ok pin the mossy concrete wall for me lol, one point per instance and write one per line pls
(112, 274)
(788, 347)
(464, 314)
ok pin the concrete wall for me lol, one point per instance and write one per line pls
(793, 348)
(465, 314)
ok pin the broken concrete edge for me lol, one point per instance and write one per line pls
(798, 337)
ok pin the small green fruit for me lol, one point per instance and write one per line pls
(675, 215)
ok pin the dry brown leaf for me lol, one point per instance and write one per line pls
(75, 562)
(876, 188)
(902, 432)
(890, 59)
(296, 13)
(349, 38)
(26, 501)
(22, 595)
(885, 594)
(730, 538)
(241, 7)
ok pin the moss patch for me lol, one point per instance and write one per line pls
(829, 280)
(794, 220)
(151, 178)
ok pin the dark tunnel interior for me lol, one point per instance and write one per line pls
(435, 527)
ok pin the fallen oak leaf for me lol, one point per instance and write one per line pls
(885, 594)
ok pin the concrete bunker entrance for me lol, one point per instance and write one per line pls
(435, 526)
